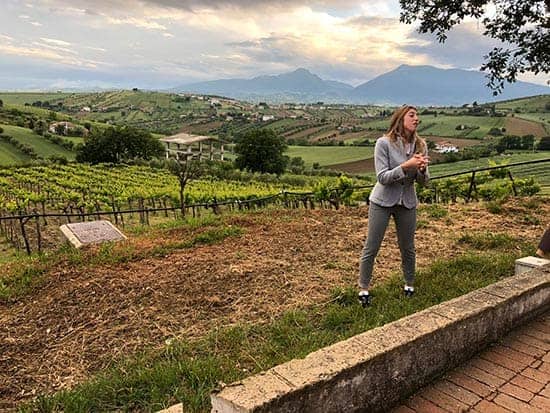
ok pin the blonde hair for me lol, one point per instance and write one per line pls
(397, 128)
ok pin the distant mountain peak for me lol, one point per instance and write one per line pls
(420, 85)
(302, 70)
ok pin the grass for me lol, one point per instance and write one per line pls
(330, 155)
(10, 155)
(488, 240)
(445, 125)
(528, 104)
(442, 125)
(187, 371)
(28, 274)
(434, 211)
(20, 98)
(41, 146)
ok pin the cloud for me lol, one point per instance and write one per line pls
(55, 41)
(49, 53)
(464, 47)
(195, 5)
(136, 22)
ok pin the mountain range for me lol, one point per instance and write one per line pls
(418, 85)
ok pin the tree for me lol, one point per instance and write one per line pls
(523, 24)
(544, 144)
(1, 103)
(261, 150)
(185, 171)
(115, 145)
(528, 142)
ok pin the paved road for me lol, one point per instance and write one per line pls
(511, 376)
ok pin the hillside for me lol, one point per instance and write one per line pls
(283, 260)
(41, 146)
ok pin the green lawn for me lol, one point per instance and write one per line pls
(74, 139)
(330, 155)
(22, 98)
(9, 155)
(40, 145)
(530, 104)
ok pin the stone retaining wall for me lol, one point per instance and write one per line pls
(373, 371)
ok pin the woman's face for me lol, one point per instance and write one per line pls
(410, 121)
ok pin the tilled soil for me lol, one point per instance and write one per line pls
(83, 318)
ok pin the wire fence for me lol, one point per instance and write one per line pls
(38, 231)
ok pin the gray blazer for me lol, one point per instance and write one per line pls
(394, 185)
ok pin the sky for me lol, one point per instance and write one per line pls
(161, 44)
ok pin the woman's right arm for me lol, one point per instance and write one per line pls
(384, 174)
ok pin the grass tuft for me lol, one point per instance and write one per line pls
(488, 240)
(435, 211)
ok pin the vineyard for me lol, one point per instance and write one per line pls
(34, 201)
(53, 195)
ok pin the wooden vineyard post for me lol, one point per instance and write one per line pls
(513, 183)
(472, 186)
(38, 233)
(22, 221)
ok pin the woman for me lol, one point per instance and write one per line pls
(400, 159)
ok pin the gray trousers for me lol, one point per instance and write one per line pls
(405, 222)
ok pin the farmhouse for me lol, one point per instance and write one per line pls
(184, 146)
(66, 128)
(445, 147)
(266, 118)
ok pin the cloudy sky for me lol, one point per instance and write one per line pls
(57, 44)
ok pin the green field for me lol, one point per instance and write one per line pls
(476, 127)
(40, 145)
(530, 104)
(330, 155)
(442, 125)
(10, 155)
(22, 98)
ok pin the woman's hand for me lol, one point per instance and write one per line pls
(417, 162)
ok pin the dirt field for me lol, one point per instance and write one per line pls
(520, 127)
(83, 318)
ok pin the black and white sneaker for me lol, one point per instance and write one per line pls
(365, 299)
(409, 291)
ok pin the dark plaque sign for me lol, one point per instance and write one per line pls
(93, 232)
